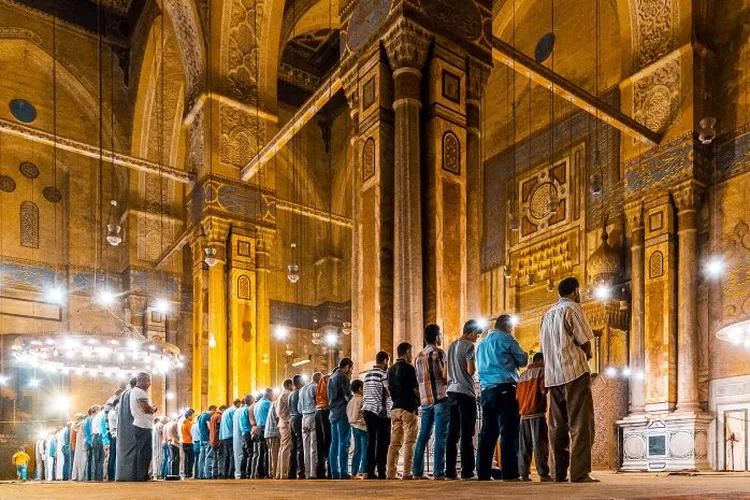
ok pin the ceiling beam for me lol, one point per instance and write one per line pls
(90, 151)
(304, 114)
(540, 74)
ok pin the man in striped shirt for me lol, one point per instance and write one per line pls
(566, 343)
(532, 405)
(430, 368)
(375, 411)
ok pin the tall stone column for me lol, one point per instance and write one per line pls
(634, 217)
(199, 332)
(218, 382)
(243, 319)
(686, 197)
(477, 77)
(407, 51)
(351, 89)
(263, 314)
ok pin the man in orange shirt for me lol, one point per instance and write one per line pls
(322, 428)
(187, 442)
(532, 406)
(212, 464)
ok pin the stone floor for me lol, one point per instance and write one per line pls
(613, 486)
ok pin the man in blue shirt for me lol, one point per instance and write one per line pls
(246, 429)
(205, 439)
(499, 356)
(260, 457)
(226, 451)
(339, 394)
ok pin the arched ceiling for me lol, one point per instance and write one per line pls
(574, 57)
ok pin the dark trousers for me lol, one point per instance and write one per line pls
(226, 456)
(463, 419)
(189, 453)
(260, 456)
(143, 440)
(67, 466)
(499, 418)
(532, 438)
(323, 440)
(174, 460)
(378, 440)
(571, 428)
(297, 460)
(246, 467)
(112, 458)
(89, 461)
(97, 448)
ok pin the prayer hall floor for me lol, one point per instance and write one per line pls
(725, 486)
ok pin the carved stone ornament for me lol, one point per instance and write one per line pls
(29, 170)
(406, 45)
(654, 25)
(186, 29)
(52, 194)
(687, 196)
(656, 96)
(634, 215)
(7, 184)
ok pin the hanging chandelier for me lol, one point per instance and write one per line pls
(293, 268)
(97, 354)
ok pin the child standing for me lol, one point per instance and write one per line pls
(357, 421)
(21, 460)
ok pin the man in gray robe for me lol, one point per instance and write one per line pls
(125, 463)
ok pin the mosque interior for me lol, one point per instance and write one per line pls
(227, 193)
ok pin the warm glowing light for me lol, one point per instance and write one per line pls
(55, 295)
(639, 375)
(626, 372)
(4, 379)
(162, 306)
(62, 403)
(515, 320)
(281, 333)
(170, 396)
(715, 267)
(483, 323)
(602, 292)
(305, 377)
(300, 362)
(611, 371)
(331, 339)
(105, 298)
(34, 382)
(211, 341)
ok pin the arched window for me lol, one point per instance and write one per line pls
(29, 225)
(243, 287)
(451, 153)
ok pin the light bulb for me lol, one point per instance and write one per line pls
(602, 293)
(170, 396)
(55, 295)
(211, 341)
(611, 372)
(715, 267)
(281, 333)
(162, 306)
(626, 372)
(483, 323)
(331, 339)
(105, 298)
(514, 320)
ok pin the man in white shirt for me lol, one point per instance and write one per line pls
(565, 337)
(112, 425)
(143, 422)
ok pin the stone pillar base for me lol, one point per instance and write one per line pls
(656, 442)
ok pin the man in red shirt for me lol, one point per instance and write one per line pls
(212, 464)
(532, 406)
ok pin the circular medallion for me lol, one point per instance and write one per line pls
(367, 17)
(52, 194)
(634, 447)
(22, 110)
(540, 200)
(544, 47)
(681, 444)
(7, 184)
(29, 170)
(658, 107)
(458, 17)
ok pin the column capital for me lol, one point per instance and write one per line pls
(478, 76)
(634, 215)
(406, 45)
(687, 196)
